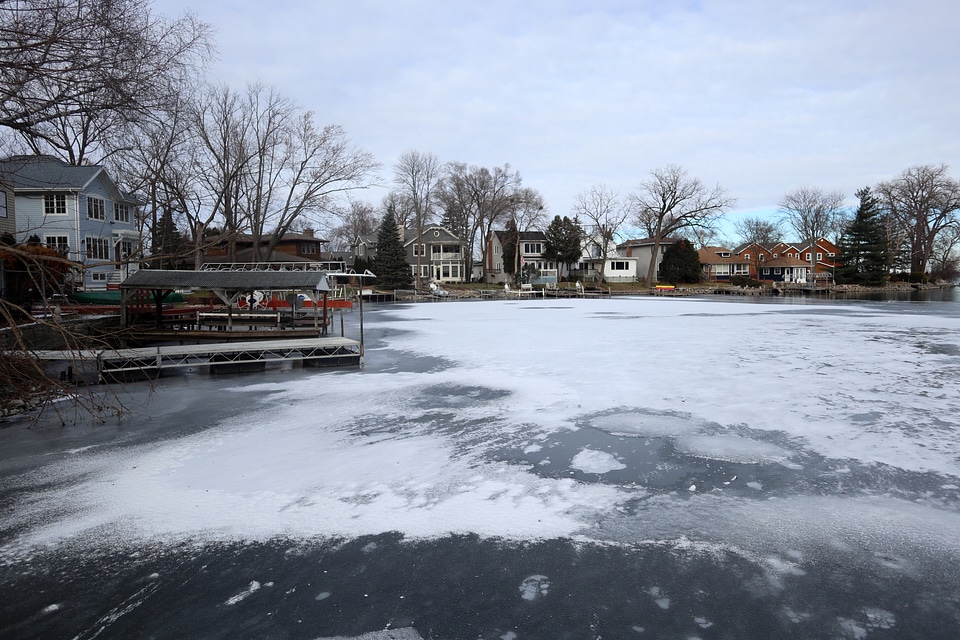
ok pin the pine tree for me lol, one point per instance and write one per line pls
(564, 241)
(863, 247)
(390, 263)
(680, 264)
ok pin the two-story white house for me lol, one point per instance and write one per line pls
(78, 210)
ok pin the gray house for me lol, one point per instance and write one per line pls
(442, 255)
(78, 210)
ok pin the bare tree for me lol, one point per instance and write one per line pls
(400, 206)
(492, 195)
(73, 72)
(604, 213)
(357, 218)
(221, 123)
(296, 168)
(527, 212)
(945, 259)
(418, 177)
(671, 201)
(813, 213)
(752, 230)
(922, 202)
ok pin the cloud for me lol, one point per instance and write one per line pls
(760, 97)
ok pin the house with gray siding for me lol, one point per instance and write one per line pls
(78, 210)
(441, 254)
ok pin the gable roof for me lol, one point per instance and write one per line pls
(46, 173)
(410, 234)
(711, 255)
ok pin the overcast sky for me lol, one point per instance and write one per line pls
(758, 96)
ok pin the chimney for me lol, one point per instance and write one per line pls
(308, 232)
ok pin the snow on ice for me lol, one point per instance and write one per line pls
(421, 453)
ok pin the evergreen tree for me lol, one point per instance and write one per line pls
(390, 264)
(564, 241)
(680, 264)
(510, 240)
(863, 247)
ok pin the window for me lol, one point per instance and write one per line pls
(3, 204)
(419, 249)
(776, 270)
(618, 265)
(532, 247)
(55, 204)
(121, 212)
(98, 276)
(446, 271)
(746, 256)
(60, 243)
(830, 255)
(308, 248)
(98, 248)
(766, 271)
(762, 257)
(425, 271)
(360, 250)
(819, 256)
(95, 209)
(774, 255)
(808, 256)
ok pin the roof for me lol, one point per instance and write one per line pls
(227, 280)
(46, 173)
(711, 255)
(246, 255)
(524, 236)
(646, 241)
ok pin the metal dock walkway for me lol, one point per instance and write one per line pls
(118, 364)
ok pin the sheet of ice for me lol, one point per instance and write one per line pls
(593, 461)
(363, 452)
(730, 448)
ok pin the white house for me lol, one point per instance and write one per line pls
(78, 210)
(616, 267)
(641, 251)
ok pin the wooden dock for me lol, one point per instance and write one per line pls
(236, 357)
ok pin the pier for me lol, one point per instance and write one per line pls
(236, 357)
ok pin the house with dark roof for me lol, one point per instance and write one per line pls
(78, 210)
(294, 250)
(440, 253)
(532, 244)
(719, 264)
(791, 262)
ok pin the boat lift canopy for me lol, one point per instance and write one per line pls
(226, 285)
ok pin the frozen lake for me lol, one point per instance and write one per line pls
(627, 468)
